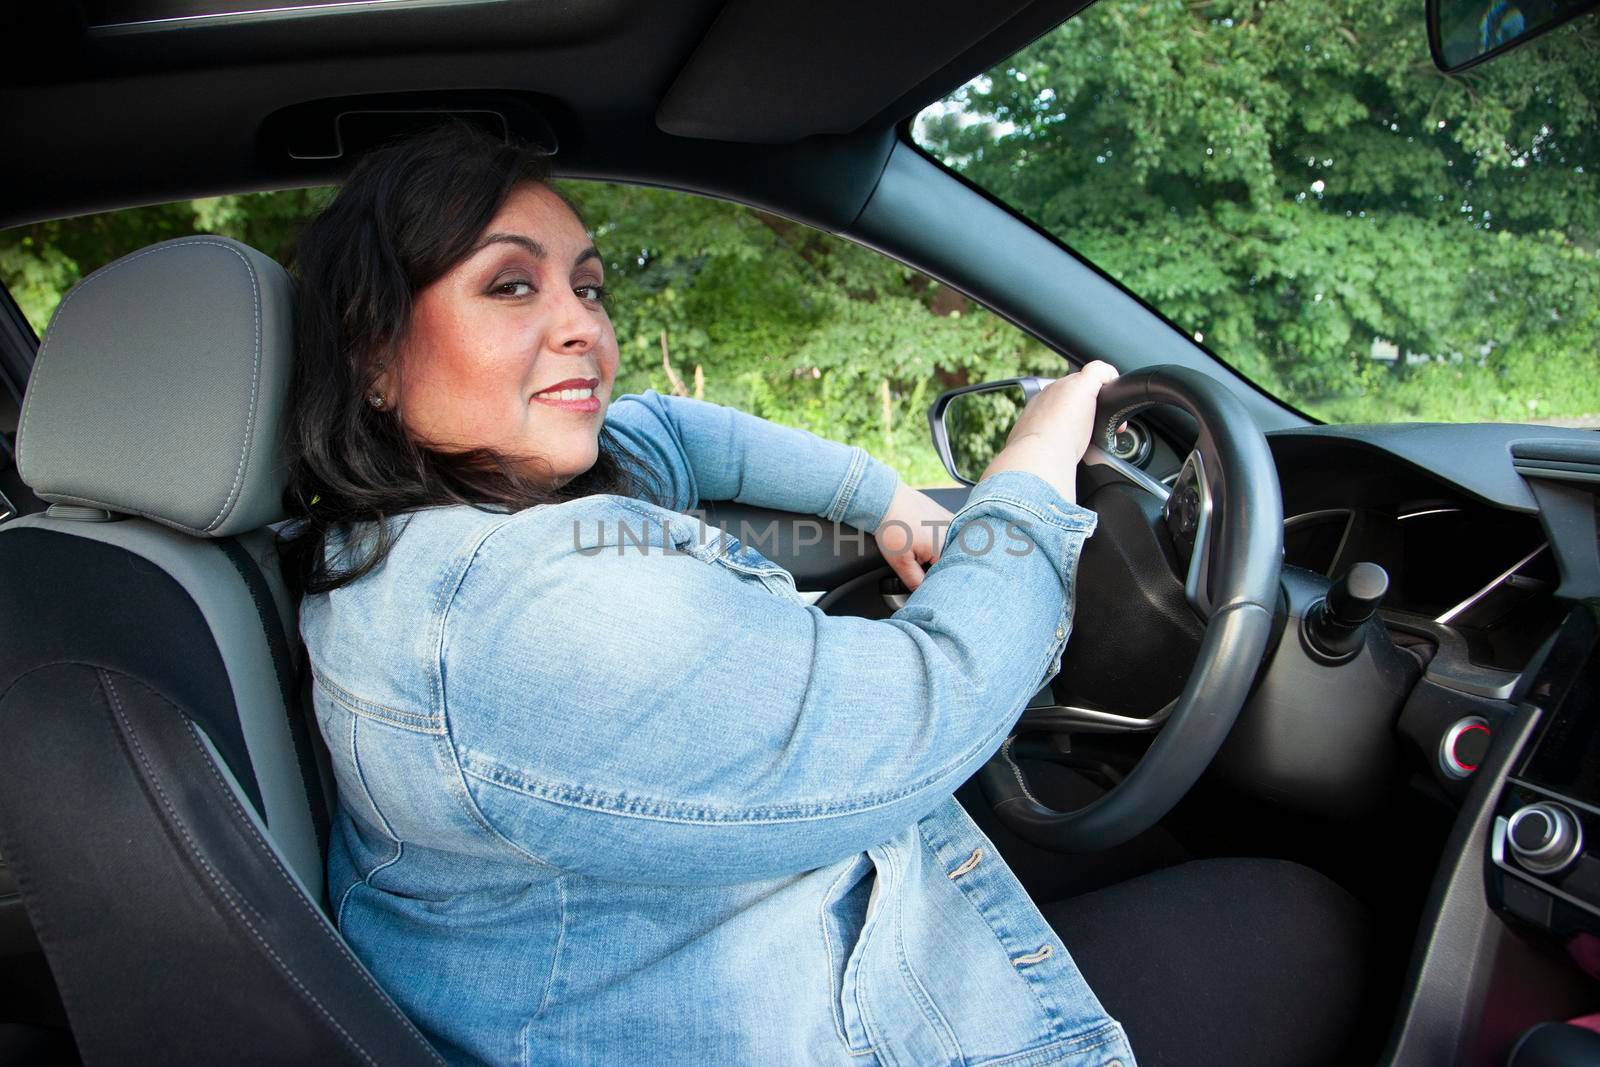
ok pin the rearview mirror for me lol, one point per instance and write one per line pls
(970, 424)
(1464, 33)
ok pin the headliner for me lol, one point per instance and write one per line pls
(785, 104)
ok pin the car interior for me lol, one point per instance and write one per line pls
(1373, 650)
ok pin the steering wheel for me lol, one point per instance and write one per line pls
(1224, 515)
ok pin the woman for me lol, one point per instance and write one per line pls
(610, 792)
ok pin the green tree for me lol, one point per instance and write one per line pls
(1292, 181)
(39, 263)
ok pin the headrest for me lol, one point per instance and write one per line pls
(159, 388)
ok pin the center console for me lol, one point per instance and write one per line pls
(1544, 847)
(1510, 932)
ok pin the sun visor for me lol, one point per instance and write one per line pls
(776, 71)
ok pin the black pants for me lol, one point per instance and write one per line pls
(1225, 963)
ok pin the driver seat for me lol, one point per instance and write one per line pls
(163, 803)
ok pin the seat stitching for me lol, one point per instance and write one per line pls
(317, 917)
(255, 382)
(205, 865)
(1016, 771)
(319, 920)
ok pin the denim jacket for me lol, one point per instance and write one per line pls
(611, 792)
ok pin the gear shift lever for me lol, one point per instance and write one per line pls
(1332, 628)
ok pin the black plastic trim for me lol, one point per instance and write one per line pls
(1436, 47)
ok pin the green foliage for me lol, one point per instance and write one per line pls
(1293, 182)
(39, 263)
(979, 425)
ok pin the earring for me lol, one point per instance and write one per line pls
(376, 397)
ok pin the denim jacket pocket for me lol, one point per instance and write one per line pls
(849, 913)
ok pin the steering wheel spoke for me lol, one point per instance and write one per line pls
(1186, 509)
(1188, 515)
(1069, 718)
(1103, 466)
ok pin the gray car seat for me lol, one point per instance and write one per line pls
(163, 803)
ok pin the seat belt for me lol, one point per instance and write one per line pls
(294, 686)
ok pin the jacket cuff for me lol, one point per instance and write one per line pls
(1036, 517)
(1034, 496)
(865, 495)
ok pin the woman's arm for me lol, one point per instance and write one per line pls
(706, 451)
(650, 717)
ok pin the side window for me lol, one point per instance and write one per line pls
(709, 299)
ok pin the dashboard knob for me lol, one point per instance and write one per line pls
(1464, 746)
(1355, 598)
(1544, 837)
(1333, 628)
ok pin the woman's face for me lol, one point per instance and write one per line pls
(512, 349)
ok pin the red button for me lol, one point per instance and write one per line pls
(1464, 746)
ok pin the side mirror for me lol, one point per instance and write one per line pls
(970, 424)
(1464, 33)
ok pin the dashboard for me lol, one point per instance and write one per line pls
(1480, 530)
(1488, 573)
(1487, 530)
(1490, 536)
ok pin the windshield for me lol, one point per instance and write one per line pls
(1294, 184)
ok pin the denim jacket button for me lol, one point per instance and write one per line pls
(968, 865)
(1043, 953)
(1061, 631)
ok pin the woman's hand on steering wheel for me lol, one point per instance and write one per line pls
(1055, 429)
(1048, 440)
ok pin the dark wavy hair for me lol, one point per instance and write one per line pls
(407, 214)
